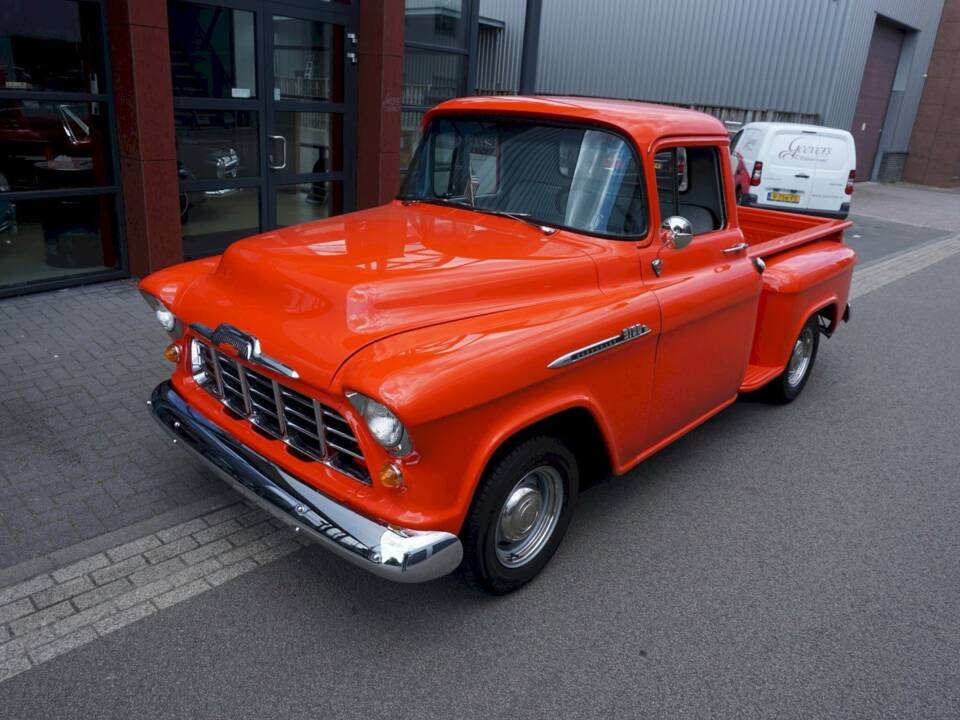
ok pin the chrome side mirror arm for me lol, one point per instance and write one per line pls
(676, 233)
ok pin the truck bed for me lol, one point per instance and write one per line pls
(807, 270)
(770, 232)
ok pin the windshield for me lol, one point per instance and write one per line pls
(575, 177)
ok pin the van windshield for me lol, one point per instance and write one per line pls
(580, 178)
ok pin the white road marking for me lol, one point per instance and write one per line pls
(890, 269)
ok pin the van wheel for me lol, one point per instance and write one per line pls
(519, 515)
(789, 385)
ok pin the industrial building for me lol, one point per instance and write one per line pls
(135, 134)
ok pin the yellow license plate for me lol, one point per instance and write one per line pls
(783, 197)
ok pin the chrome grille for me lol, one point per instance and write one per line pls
(311, 429)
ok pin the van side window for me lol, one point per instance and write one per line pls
(689, 184)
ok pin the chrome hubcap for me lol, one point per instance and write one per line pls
(529, 516)
(800, 357)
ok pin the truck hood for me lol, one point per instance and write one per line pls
(316, 293)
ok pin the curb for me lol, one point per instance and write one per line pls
(64, 556)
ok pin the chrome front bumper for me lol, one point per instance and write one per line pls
(393, 553)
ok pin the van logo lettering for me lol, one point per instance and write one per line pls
(800, 150)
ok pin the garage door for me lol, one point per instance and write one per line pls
(875, 88)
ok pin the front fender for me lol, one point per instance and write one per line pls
(464, 388)
(170, 284)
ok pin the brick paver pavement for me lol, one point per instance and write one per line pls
(79, 455)
(53, 613)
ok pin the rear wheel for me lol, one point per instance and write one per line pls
(519, 515)
(790, 384)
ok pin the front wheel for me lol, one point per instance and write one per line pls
(519, 515)
(788, 386)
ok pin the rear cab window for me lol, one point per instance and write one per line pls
(689, 184)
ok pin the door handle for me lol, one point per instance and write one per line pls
(802, 175)
(739, 247)
(283, 144)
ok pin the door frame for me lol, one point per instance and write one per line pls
(337, 14)
(264, 105)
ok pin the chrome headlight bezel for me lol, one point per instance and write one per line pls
(168, 321)
(382, 424)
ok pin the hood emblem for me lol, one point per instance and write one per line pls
(245, 345)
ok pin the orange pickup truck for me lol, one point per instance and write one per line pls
(563, 287)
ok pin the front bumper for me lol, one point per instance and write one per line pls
(390, 552)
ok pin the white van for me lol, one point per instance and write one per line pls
(798, 168)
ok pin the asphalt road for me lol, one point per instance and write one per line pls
(797, 561)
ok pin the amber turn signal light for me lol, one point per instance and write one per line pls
(391, 477)
(172, 353)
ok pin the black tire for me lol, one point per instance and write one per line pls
(788, 386)
(482, 566)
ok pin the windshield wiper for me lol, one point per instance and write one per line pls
(522, 217)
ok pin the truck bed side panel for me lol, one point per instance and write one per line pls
(797, 284)
(769, 232)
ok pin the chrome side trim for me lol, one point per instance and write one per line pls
(398, 554)
(626, 335)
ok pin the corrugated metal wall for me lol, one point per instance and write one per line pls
(802, 57)
(498, 55)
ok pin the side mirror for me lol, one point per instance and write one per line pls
(677, 232)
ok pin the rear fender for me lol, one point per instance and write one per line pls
(796, 285)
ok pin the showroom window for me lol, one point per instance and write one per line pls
(59, 204)
(440, 40)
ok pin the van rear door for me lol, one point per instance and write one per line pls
(833, 170)
(789, 168)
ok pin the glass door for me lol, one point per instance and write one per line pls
(264, 113)
(311, 113)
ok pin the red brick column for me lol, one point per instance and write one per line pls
(140, 57)
(380, 83)
(934, 157)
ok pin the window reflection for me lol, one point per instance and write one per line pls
(216, 144)
(436, 22)
(307, 60)
(56, 237)
(213, 219)
(50, 45)
(308, 201)
(45, 145)
(431, 77)
(314, 141)
(212, 51)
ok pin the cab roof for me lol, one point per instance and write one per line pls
(645, 122)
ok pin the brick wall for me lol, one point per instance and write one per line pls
(935, 144)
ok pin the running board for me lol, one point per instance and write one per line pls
(757, 376)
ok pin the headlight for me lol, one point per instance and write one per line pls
(385, 427)
(167, 319)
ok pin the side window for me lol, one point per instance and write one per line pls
(735, 140)
(689, 184)
(444, 147)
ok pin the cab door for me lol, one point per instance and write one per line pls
(708, 291)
